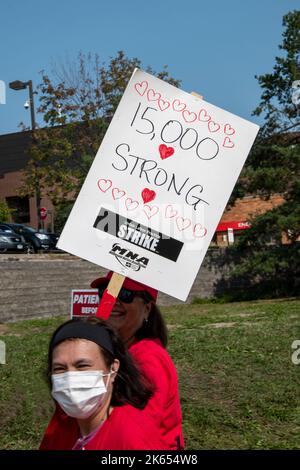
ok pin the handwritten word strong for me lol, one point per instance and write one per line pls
(149, 171)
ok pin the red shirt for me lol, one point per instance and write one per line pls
(127, 428)
(164, 406)
(62, 432)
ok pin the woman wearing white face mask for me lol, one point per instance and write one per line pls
(95, 381)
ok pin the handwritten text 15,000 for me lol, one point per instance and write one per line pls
(173, 131)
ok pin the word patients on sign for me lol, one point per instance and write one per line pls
(84, 302)
(158, 186)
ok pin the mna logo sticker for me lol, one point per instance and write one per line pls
(128, 258)
(2, 92)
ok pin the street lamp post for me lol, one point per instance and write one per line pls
(19, 85)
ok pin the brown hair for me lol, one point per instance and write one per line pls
(155, 327)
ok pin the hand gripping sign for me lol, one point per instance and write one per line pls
(158, 186)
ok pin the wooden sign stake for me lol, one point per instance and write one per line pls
(110, 295)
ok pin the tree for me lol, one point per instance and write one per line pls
(273, 167)
(5, 212)
(77, 105)
(281, 110)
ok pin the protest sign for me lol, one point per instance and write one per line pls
(158, 186)
(84, 302)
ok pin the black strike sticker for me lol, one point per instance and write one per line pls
(138, 234)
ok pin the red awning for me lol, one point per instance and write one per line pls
(235, 225)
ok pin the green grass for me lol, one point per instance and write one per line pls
(239, 387)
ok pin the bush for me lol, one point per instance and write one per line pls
(5, 212)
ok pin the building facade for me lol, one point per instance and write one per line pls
(13, 160)
(236, 219)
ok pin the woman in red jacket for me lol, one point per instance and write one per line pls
(100, 392)
(138, 321)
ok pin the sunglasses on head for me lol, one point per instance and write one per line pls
(125, 295)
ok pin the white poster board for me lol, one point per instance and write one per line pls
(158, 186)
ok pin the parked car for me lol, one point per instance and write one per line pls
(10, 241)
(53, 238)
(35, 241)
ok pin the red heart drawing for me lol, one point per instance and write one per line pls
(213, 126)
(228, 143)
(118, 193)
(141, 87)
(178, 105)
(170, 212)
(182, 223)
(148, 195)
(203, 116)
(199, 231)
(165, 151)
(189, 116)
(104, 185)
(131, 204)
(150, 211)
(163, 104)
(153, 96)
(228, 129)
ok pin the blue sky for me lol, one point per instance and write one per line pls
(216, 48)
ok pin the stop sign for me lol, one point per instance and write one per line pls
(43, 213)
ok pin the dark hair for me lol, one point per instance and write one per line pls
(155, 326)
(130, 385)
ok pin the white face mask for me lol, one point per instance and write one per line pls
(80, 393)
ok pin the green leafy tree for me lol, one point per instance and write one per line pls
(62, 212)
(77, 104)
(279, 102)
(271, 267)
(5, 212)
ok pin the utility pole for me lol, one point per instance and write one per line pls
(19, 85)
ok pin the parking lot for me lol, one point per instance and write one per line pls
(18, 238)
